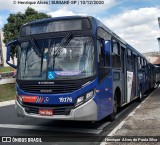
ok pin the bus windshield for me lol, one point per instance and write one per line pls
(56, 58)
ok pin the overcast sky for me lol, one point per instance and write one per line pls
(133, 20)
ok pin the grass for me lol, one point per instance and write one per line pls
(6, 69)
(7, 92)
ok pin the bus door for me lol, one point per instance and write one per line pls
(135, 76)
(105, 79)
(124, 74)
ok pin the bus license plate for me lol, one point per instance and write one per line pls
(46, 112)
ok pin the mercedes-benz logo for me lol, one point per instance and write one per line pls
(46, 100)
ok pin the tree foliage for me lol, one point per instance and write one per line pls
(15, 21)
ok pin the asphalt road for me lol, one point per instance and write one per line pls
(57, 132)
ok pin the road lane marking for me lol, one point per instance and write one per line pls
(6, 103)
(34, 127)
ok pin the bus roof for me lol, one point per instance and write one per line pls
(96, 23)
(100, 24)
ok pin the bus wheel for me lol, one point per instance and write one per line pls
(112, 117)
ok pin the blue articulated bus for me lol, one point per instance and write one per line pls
(76, 68)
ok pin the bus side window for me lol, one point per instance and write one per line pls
(116, 62)
(130, 61)
(101, 53)
(107, 53)
(139, 63)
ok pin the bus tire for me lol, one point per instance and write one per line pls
(140, 96)
(112, 117)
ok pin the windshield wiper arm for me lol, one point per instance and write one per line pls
(35, 48)
(63, 44)
(34, 63)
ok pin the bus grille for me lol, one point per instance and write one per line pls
(57, 111)
(49, 89)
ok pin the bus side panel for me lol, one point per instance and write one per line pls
(140, 78)
(105, 94)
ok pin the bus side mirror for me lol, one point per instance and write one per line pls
(13, 43)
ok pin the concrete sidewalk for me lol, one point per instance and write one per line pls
(7, 81)
(143, 121)
(6, 103)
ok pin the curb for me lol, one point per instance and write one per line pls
(131, 114)
(7, 81)
(6, 103)
(119, 126)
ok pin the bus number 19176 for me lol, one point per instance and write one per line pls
(65, 99)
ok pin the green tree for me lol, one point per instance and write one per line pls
(15, 21)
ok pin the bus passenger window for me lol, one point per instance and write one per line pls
(144, 63)
(116, 62)
(101, 53)
(107, 55)
(130, 61)
(139, 63)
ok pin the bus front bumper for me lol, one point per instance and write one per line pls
(86, 112)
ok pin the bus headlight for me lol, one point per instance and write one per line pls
(80, 101)
(89, 95)
(85, 98)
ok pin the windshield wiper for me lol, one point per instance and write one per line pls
(63, 44)
(35, 49)
(34, 63)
